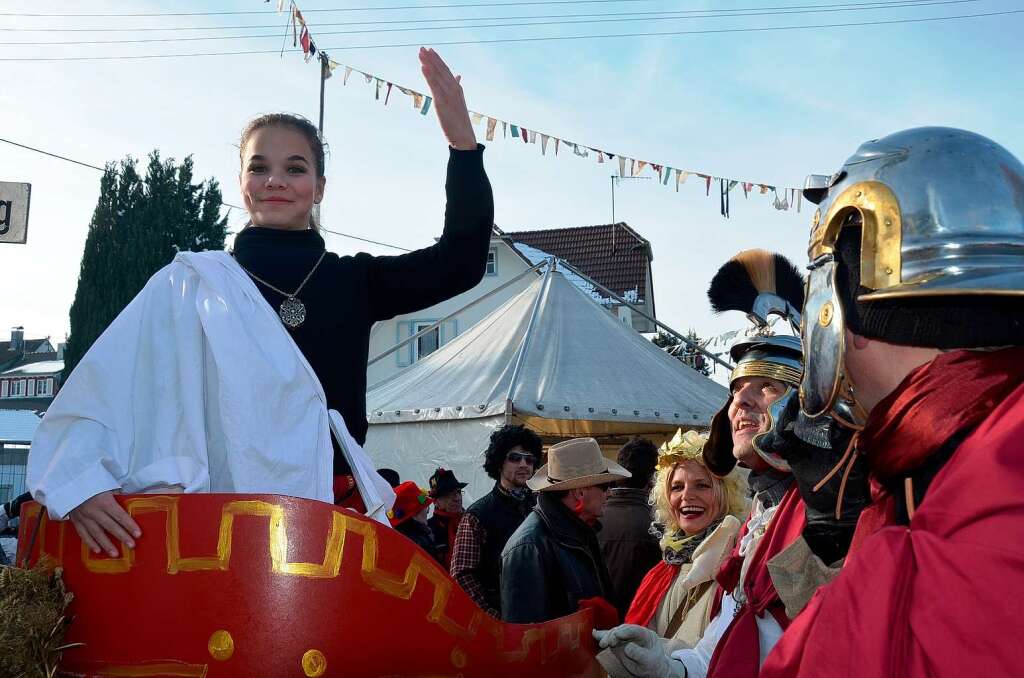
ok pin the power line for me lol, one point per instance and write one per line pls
(878, 4)
(716, 31)
(906, 4)
(226, 204)
(336, 9)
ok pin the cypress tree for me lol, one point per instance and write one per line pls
(136, 229)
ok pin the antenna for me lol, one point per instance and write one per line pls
(615, 182)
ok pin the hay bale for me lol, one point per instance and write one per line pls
(33, 621)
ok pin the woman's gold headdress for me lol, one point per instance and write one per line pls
(686, 446)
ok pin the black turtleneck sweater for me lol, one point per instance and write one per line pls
(346, 295)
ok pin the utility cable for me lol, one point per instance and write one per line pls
(716, 31)
(878, 4)
(320, 34)
(336, 9)
(226, 204)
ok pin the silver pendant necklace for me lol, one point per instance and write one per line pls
(292, 311)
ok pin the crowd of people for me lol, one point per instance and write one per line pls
(850, 511)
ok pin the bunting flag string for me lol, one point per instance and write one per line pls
(781, 198)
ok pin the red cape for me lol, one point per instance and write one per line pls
(942, 597)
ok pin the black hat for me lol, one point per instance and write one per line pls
(444, 482)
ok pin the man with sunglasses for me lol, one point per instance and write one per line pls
(553, 562)
(485, 528)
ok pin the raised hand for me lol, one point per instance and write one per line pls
(449, 102)
(99, 515)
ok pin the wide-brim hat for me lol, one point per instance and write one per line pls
(410, 499)
(775, 357)
(444, 482)
(575, 463)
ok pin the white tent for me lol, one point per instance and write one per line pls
(550, 358)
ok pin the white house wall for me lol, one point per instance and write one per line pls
(385, 334)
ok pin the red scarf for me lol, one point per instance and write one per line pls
(954, 392)
(652, 590)
(453, 526)
(738, 652)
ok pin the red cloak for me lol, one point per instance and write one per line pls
(943, 596)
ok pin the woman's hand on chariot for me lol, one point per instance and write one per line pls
(100, 517)
(449, 102)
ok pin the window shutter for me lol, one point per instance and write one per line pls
(31, 387)
(3, 388)
(449, 330)
(403, 356)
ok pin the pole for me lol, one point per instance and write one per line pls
(613, 198)
(323, 79)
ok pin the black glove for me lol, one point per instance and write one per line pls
(813, 448)
(13, 507)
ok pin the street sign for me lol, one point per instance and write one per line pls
(14, 198)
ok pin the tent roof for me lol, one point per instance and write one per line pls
(579, 366)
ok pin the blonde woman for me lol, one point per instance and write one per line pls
(698, 511)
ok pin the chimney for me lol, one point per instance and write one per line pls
(18, 339)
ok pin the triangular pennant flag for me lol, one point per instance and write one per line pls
(533, 136)
(280, 6)
(491, 124)
(667, 173)
(524, 134)
(376, 96)
(632, 167)
(580, 151)
(304, 40)
(732, 185)
(426, 105)
(799, 200)
(331, 65)
(296, 16)
(348, 72)
(544, 144)
(369, 78)
(681, 177)
(388, 95)
(640, 165)
(557, 141)
(515, 131)
(417, 100)
(622, 166)
(504, 128)
(764, 189)
(707, 183)
(600, 158)
(477, 118)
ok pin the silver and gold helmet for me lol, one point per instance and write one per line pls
(760, 284)
(942, 215)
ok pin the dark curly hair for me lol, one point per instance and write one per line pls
(639, 456)
(503, 440)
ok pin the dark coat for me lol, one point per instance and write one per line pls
(628, 547)
(550, 564)
(421, 535)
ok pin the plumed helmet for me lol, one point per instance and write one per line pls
(759, 283)
(912, 223)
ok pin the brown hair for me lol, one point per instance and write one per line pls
(293, 122)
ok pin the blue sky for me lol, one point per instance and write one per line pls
(767, 106)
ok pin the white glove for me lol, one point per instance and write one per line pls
(640, 652)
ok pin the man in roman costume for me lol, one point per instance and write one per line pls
(915, 320)
(751, 610)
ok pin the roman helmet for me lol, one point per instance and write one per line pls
(760, 284)
(917, 240)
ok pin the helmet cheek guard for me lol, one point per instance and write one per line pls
(717, 453)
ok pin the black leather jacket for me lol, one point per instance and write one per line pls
(550, 564)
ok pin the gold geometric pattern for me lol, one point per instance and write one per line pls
(396, 585)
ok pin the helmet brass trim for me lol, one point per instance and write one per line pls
(763, 368)
(881, 237)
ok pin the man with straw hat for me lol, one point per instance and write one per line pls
(553, 562)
